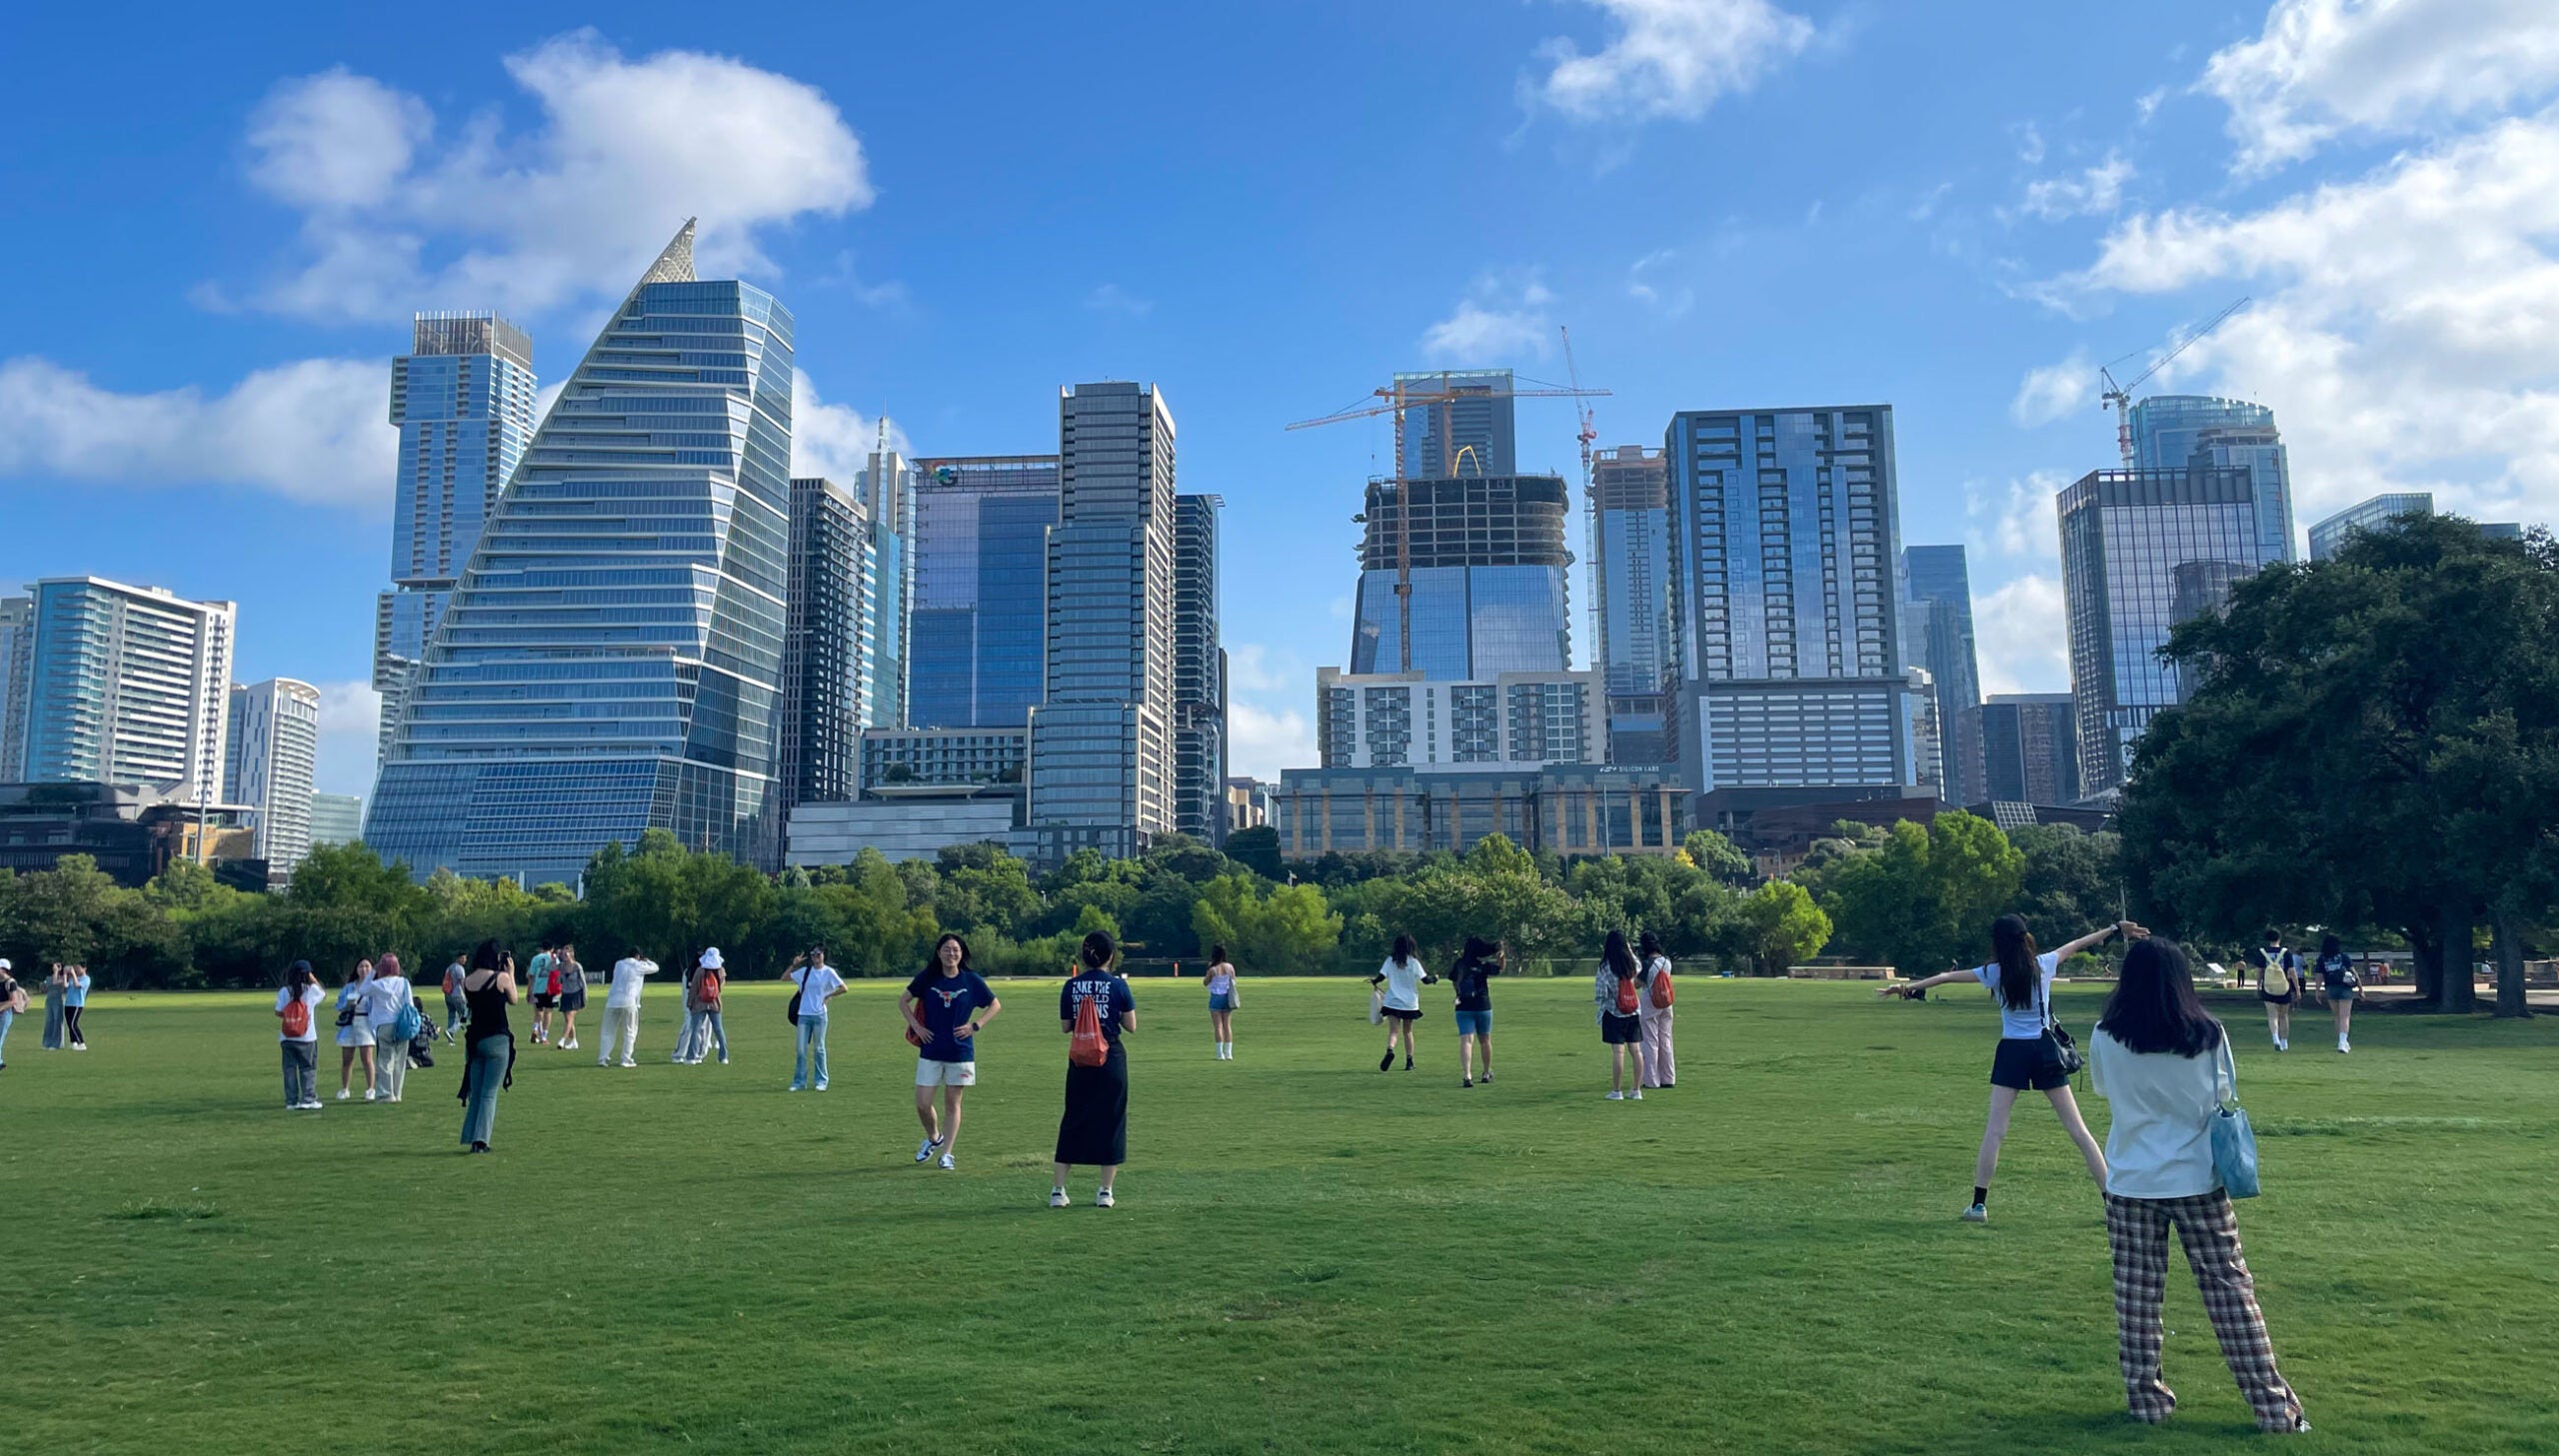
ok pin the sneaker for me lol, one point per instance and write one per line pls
(1386, 1063)
(1102, 1198)
(1617, 1097)
(1469, 1082)
(923, 1151)
(1977, 1213)
(625, 1061)
(822, 1086)
(948, 1165)
(368, 1095)
(1408, 1064)
(2343, 1046)
(344, 1094)
(1635, 1096)
(1487, 1078)
(1057, 1197)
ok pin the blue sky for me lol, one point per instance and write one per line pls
(222, 221)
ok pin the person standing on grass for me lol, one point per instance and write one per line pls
(13, 1000)
(386, 996)
(1617, 991)
(1093, 1131)
(355, 1030)
(490, 1056)
(1653, 1015)
(2165, 1067)
(1223, 1001)
(456, 1010)
(52, 1008)
(571, 979)
(538, 986)
(2020, 980)
(2279, 985)
(298, 1036)
(621, 1008)
(1402, 977)
(708, 1027)
(1473, 980)
(941, 1007)
(2338, 984)
(75, 999)
(685, 1008)
(819, 984)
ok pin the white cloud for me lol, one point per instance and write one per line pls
(1506, 315)
(1665, 299)
(2029, 143)
(350, 725)
(2017, 521)
(1110, 298)
(1263, 740)
(1670, 58)
(2323, 68)
(315, 430)
(2048, 393)
(2098, 189)
(834, 441)
(572, 210)
(1251, 667)
(2021, 638)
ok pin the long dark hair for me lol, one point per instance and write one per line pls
(1098, 950)
(2014, 946)
(933, 962)
(485, 956)
(1647, 946)
(1618, 958)
(297, 977)
(1405, 951)
(1217, 955)
(1479, 951)
(2154, 1007)
(2330, 945)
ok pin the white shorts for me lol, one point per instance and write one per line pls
(930, 1073)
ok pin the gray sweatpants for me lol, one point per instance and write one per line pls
(300, 1072)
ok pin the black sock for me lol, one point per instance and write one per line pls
(1981, 1196)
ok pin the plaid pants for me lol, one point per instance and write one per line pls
(2137, 1231)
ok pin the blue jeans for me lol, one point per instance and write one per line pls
(813, 1053)
(485, 1073)
(709, 1030)
(6, 1016)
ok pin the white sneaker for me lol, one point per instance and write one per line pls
(625, 1061)
(2343, 1046)
(1057, 1197)
(1977, 1213)
(1102, 1198)
(368, 1095)
(1635, 1096)
(948, 1165)
(344, 1094)
(1617, 1097)
(924, 1149)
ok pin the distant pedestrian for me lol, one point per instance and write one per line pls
(1617, 991)
(941, 1007)
(489, 1063)
(52, 1040)
(386, 997)
(621, 1010)
(457, 1011)
(571, 979)
(1223, 1000)
(2279, 985)
(13, 1002)
(355, 1028)
(708, 1027)
(683, 1010)
(2021, 981)
(1653, 1011)
(75, 999)
(1093, 1131)
(818, 984)
(538, 985)
(2340, 985)
(298, 1036)
(1400, 982)
(2165, 1067)
(1473, 976)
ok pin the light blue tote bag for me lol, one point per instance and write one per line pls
(2234, 1142)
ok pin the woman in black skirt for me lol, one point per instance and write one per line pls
(1095, 1130)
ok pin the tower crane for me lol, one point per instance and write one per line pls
(1587, 432)
(1416, 391)
(2118, 397)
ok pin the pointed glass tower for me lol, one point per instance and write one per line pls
(612, 659)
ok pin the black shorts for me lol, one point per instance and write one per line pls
(572, 1001)
(1395, 1013)
(1616, 1030)
(2271, 1000)
(2019, 1065)
(543, 1001)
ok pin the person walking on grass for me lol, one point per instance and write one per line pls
(490, 1056)
(2020, 980)
(52, 1040)
(941, 1007)
(819, 984)
(2279, 985)
(456, 1010)
(1401, 980)
(1223, 1001)
(2339, 984)
(13, 1002)
(2165, 1069)
(355, 1028)
(684, 1007)
(1652, 1013)
(1471, 978)
(571, 979)
(1617, 990)
(386, 997)
(621, 1010)
(1094, 1131)
(75, 999)
(298, 1036)
(537, 984)
(703, 1020)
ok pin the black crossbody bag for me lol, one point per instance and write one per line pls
(2060, 1052)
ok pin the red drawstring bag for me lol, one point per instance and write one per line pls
(1087, 1047)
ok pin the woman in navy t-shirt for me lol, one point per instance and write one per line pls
(941, 1006)
(1095, 1130)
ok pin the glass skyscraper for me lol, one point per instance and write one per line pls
(888, 488)
(1489, 572)
(17, 651)
(273, 749)
(611, 661)
(2142, 550)
(1198, 672)
(463, 400)
(2172, 432)
(1631, 592)
(981, 553)
(1938, 638)
(1474, 434)
(2029, 749)
(2329, 534)
(128, 685)
(827, 672)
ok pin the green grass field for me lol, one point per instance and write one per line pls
(1307, 1256)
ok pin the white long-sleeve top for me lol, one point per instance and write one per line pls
(2160, 1145)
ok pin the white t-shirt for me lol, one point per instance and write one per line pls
(384, 997)
(1403, 983)
(312, 996)
(2161, 1143)
(815, 983)
(2026, 1024)
(627, 975)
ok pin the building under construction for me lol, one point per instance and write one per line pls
(1486, 567)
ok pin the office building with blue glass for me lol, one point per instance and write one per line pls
(610, 660)
(979, 612)
(1198, 673)
(1487, 568)
(1937, 636)
(1630, 597)
(1468, 427)
(2173, 432)
(887, 486)
(828, 636)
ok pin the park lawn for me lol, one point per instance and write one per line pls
(1307, 1256)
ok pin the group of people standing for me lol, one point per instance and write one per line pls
(1631, 995)
(379, 1024)
(66, 997)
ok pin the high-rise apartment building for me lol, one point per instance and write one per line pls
(273, 749)
(1198, 672)
(1467, 427)
(17, 653)
(2142, 550)
(980, 579)
(827, 642)
(1630, 597)
(888, 488)
(463, 400)
(611, 661)
(128, 685)
(1101, 769)
(1786, 549)
(2029, 749)
(2175, 432)
(1486, 567)
(1402, 720)
(2327, 536)
(1937, 636)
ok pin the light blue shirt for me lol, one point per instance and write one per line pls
(76, 993)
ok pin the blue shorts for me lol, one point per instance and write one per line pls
(1474, 1024)
(1221, 1001)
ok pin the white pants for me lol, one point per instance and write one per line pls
(390, 1063)
(684, 1037)
(622, 1022)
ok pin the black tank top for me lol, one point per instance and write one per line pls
(488, 1007)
